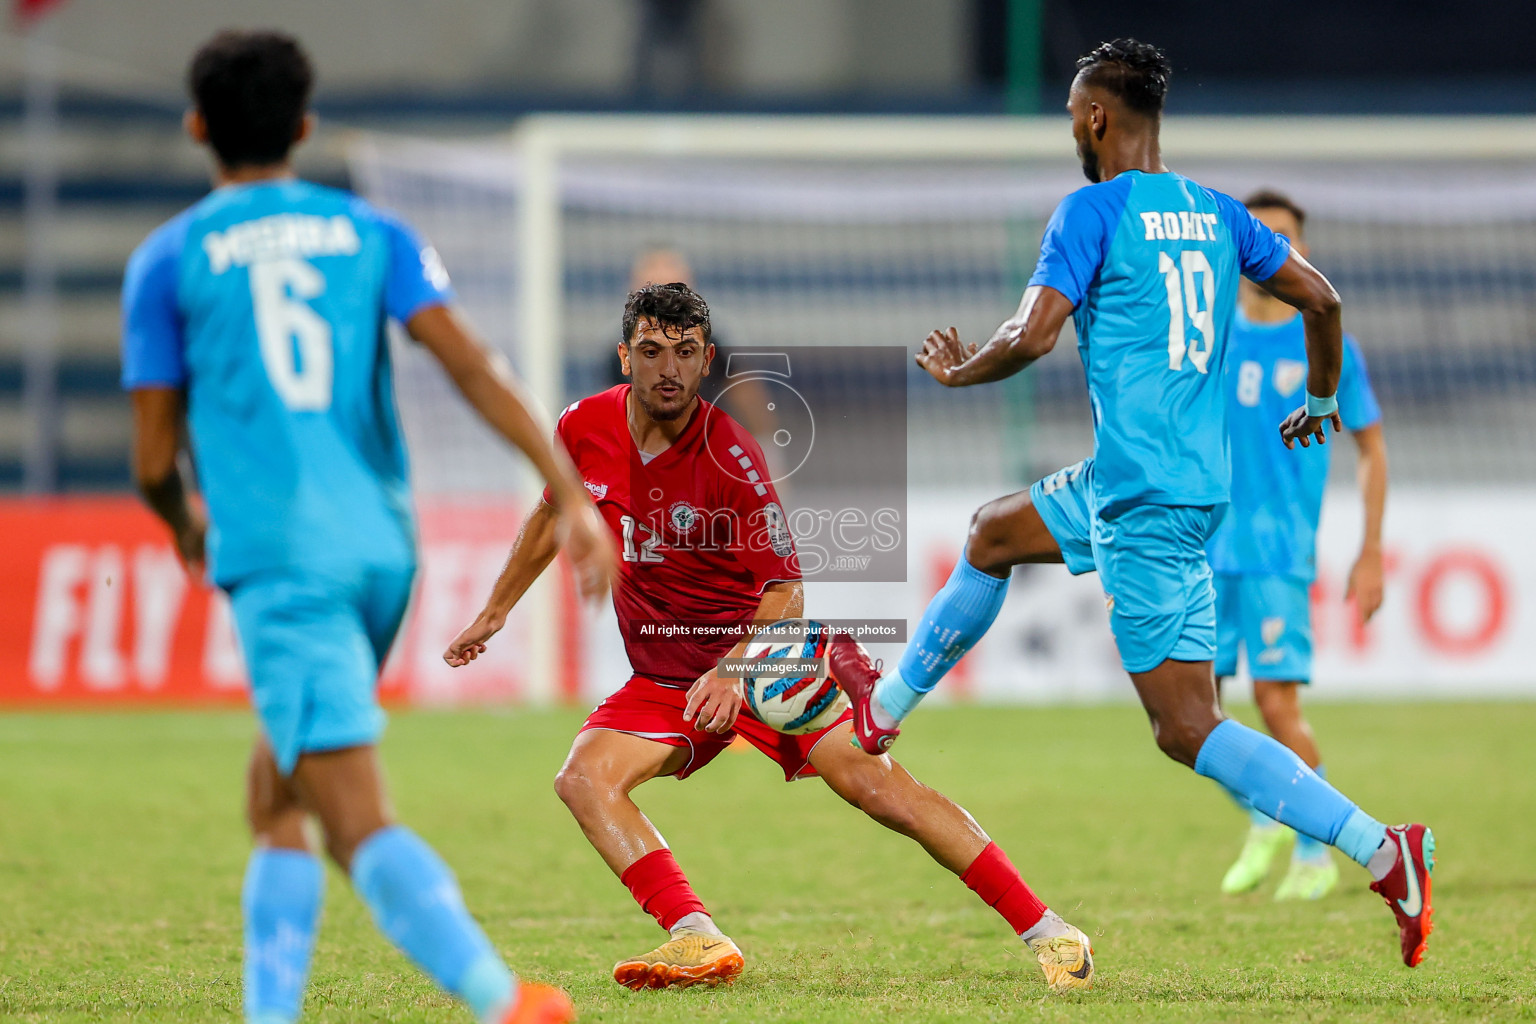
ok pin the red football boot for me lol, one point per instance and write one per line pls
(1406, 888)
(857, 673)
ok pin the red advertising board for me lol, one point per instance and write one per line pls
(95, 607)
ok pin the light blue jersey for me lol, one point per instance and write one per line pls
(1277, 494)
(268, 303)
(1151, 262)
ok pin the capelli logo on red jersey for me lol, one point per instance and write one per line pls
(599, 491)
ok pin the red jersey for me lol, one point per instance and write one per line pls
(700, 529)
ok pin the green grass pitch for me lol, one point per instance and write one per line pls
(121, 851)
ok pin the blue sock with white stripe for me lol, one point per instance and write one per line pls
(1279, 784)
(416, 903)
(280, 902)
(954, 620)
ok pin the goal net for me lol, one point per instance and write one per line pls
(828, 232)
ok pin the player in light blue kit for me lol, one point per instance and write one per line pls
(256, 320)
(1263, 553)
(1147, 263)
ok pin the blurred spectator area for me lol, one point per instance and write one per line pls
(469, 67)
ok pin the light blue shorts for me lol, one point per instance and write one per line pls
(1151, 562)
(1270, 618)
(313, 645)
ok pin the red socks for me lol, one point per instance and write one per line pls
(993, 877)
(661, 889)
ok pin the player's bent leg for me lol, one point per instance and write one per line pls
(411, 893)
(345, 790)
(1179, 698)
(281, 897)
(1009, 531)
(1003, 533)
(601, 770)
(889, 794)
(1182, 707)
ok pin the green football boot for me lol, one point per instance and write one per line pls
(1252, 865)
(1309, 879)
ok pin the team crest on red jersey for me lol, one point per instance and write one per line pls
(683, 516)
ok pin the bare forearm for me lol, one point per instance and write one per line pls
(779, 601)
(1372, 476)
(167, 496)
(1325, 349)
(1020, 340)
(1303, 287)
(157, 447)
(1001, 357)
(536, 546)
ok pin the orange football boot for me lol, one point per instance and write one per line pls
(540, 1004)
(687, 958)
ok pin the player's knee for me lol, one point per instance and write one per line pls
(1176, 743)
(895, 810)
(1182, 736)
(576, 787)
(987, 543)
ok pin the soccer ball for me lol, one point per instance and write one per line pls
(794, 704)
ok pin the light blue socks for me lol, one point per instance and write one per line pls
(1307, 848)
(1278, 784)
(281, 904)
(416, 902)
(958, 616)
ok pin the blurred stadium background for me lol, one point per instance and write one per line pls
(849, 172)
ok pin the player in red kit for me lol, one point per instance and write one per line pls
(706, 547)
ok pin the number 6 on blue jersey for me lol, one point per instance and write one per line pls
(295, 340)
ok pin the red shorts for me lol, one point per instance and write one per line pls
(648, 709)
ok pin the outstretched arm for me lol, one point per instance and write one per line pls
(1301, 285)
(157, 422)
(1365, 579)
(536, 546)
(1021, 339)
(486, 382)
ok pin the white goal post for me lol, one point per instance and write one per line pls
(542, 143)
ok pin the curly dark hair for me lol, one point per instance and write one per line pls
(673, 306)
(1136, 72)
(252, 89)
(1274, 199)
